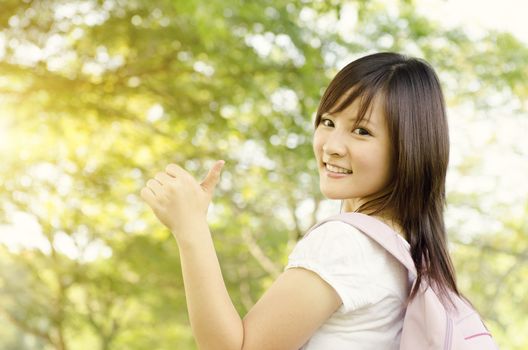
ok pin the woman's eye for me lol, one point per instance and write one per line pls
(360, 131)
(323, 120)
(363, 132)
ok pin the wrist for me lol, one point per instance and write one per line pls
(192, 235)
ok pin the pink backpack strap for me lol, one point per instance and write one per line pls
(380, 233)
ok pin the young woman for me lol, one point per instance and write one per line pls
(381, 144)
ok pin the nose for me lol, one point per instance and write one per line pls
(334, 144)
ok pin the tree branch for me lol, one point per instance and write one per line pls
(25, 327)
(522, 255)
(245, 293)
(256, 251)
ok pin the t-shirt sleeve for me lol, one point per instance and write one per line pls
(336, 251)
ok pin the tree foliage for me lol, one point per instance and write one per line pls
(97, 96)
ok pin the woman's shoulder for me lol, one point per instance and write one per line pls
(348, 260)
(338, 237)
(335, 230)
(336, 227)
(340, 229)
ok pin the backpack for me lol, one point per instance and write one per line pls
(428, 324)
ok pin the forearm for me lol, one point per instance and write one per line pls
(214, 320)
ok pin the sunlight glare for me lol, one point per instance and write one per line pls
(5, 137)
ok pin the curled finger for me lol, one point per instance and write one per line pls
(148, 196)
(163, 178)
(155, 186)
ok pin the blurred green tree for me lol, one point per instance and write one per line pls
(97, 96)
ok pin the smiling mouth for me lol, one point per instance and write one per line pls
(336, 170)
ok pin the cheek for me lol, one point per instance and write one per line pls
(384, 166)
(375, 161)
(317, 145)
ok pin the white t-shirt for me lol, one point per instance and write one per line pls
(371, 283)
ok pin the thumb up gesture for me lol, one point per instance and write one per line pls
(178, 200)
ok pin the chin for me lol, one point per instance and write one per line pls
(334, 194)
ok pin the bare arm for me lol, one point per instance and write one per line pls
(289, 312)
(286, 316)
(214, 320)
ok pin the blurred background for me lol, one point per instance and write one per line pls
(96, 96)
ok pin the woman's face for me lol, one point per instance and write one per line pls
(364, 151)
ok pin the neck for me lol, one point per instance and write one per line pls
(351, 206)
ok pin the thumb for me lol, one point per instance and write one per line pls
(212, 178)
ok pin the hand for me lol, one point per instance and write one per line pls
(178, 200)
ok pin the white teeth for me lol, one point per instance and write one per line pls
(338, 170)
